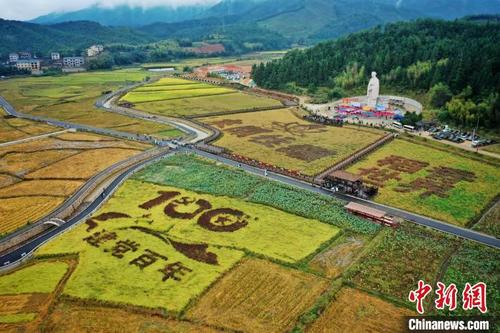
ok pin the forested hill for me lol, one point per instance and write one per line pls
(413, 56)
(71, 36)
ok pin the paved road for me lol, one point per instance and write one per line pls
(195, 133)
(103, 131)
(28, 248)
(415, 218)
(32, 138)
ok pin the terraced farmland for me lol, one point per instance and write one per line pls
(283, 139)
(184, 98)
(72, 97)
(37, 176)
(432, 182)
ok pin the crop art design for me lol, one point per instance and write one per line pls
(177, 243)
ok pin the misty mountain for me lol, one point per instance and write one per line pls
(304, 21)
(126, 16)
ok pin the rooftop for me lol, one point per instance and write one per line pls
(355, 207)
(344, 175)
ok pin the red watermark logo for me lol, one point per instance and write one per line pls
(473, 296)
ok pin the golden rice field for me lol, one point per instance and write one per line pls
(258, 296)
(195, 237)
(72, 97)
(184, 98)
(281, 138)
(37, 176)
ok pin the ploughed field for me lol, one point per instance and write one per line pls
(71, 98)
(188, 245)
(281, 138)
(430, 181)
(39, 175)
(183, 98)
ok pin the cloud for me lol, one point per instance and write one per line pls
(28, 9)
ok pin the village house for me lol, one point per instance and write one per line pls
(55, 56)
(94, 50)
(32, 65)
(73, 62)
(24, 55)
(13, 57)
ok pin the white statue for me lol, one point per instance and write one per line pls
(373, 90)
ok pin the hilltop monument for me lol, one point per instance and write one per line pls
(373, 90)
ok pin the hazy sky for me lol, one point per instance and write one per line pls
(28, 9)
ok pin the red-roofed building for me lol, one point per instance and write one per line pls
(210, 49)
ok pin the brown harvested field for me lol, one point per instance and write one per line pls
(37, 176)
(12, 129)
(7, 180)
(68, 317)
(83, 165)
(57, 188)
(83, 137)
(342, 253)
(355, 311)
(22, 163)
(19, 211)
(26, 303)
(258, 296)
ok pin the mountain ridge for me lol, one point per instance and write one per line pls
(304, 21)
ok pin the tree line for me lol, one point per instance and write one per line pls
(456, 63)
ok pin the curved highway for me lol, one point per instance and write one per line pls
(14, 257)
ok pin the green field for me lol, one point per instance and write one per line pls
(183, 98)
(37, 278)
(443, 185)
(474, 263)
(72, 97)
(397, 259)
(204, 176)
(164, 95)
(199, 106)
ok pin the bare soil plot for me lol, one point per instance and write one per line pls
(258, 296)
